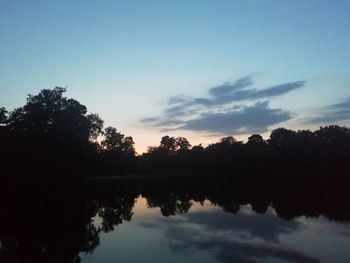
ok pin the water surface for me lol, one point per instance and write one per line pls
(207, 233)
(179, 219)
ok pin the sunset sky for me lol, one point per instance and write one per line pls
(198, 69)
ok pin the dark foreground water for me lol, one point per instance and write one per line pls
(172, 220)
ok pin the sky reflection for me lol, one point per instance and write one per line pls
(207, 233)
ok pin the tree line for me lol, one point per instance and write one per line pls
(54, 135)
(326, 149)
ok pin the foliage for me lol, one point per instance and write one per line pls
(286, 150)
(52, 134)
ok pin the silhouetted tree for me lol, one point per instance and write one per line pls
(113, 140)
(118, 151)
(168, 145)
(3, 116)
(51, 132)
(182, 145)
(256, 139)
(228, 140)
(171, 154)
(281, 138)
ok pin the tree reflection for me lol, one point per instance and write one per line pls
(170, 204)
(290, 199)
(56, 224)
(115, 209)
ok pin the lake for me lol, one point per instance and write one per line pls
(177, 220)
(207, 233)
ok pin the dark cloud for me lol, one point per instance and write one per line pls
(254, 94)
(277, 90)
(228, 88)
(227, 93)
(332, 113)
(180, 111)
(217, 113)
(246, 119)
(233, 92)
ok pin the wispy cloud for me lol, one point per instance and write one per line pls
(219, 112)
(245, 119)
(331, 113)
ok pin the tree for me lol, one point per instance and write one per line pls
(3, 120)
(333, 134)
(197, 149)
(117, 142)
(96, 126)
(118, 153)
(182, 145)
(51, 114)
(151, 150)
(229, 140)
(3, 134)
(3, 116)
(281, 138)
(113, 139)
(334, 146)
(51, 132)
(128, 146)
(256, 139)
(168, 145)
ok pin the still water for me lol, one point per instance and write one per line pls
(207, 233)
(188, 219)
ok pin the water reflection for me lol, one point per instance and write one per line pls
(236, 241)
(237, 222)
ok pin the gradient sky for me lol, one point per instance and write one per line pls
(199, 69)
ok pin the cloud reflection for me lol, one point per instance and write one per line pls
(241, 237)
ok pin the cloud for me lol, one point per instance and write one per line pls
(227, 88)
(219, 112)
(246, 119)
(177, 99)
(332, 113)
(254, 94)
(227, 93)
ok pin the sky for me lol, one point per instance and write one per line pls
(198, 69)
